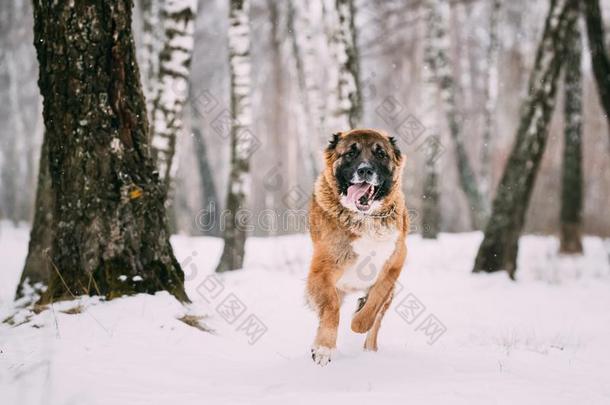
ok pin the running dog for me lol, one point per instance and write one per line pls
(358, 224)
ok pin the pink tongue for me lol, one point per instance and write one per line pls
(355, 191)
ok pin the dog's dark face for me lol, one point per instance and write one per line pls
(364, 164)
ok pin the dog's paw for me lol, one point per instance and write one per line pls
(370, 345)
(362, 322)
(321, 355)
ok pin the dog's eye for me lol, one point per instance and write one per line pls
(380, 153)
(352, 153)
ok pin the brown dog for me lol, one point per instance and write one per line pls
(358, 224)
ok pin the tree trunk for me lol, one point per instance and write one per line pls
(346, 103)
(242, 139)
(278, 111)
(170, 88)
(491, 95)
(571, 186)
(431, 214)
(499, 248)
(152, 42)
(16, 188)
(37, 270)
(10, 172)
(109, 227)
(208, 224)
(300, 40)
(437, 23)
(600, 61)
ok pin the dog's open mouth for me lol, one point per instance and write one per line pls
(362, 195)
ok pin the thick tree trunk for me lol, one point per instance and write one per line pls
(209, 223)
(346, 103)
(571, 186)
(170, 88)
(109, 227)
(437, 23)
(491, 95)
(37, 269)
(499, 248)
(242, 139)
(600, 61)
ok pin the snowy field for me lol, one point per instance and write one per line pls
(450, 337)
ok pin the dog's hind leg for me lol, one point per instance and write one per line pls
(370, 343)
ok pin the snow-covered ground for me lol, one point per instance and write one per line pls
(450, 337)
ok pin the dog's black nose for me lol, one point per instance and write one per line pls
(365, 172)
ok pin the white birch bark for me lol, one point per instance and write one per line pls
(152, 41)
(345, 100)
(300, 17)
(171, 85)
(242, 139)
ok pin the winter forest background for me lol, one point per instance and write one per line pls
(153, 214)
(390, 42)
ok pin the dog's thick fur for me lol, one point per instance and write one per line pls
(348, 241)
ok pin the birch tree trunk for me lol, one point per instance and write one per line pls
(301, 39)
(171, 85)
(242, 139)
(571, 186)
(491, 95)
(346, 101)
(499, 248)
(600, 61)
(431, 215)
(437, 25)
(152, 42)
(109, 227)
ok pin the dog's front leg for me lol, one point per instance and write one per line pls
(327, 301)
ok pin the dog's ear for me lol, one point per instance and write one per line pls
(395, 148)
(334, 140)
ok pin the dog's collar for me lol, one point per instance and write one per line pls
(384, 214)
